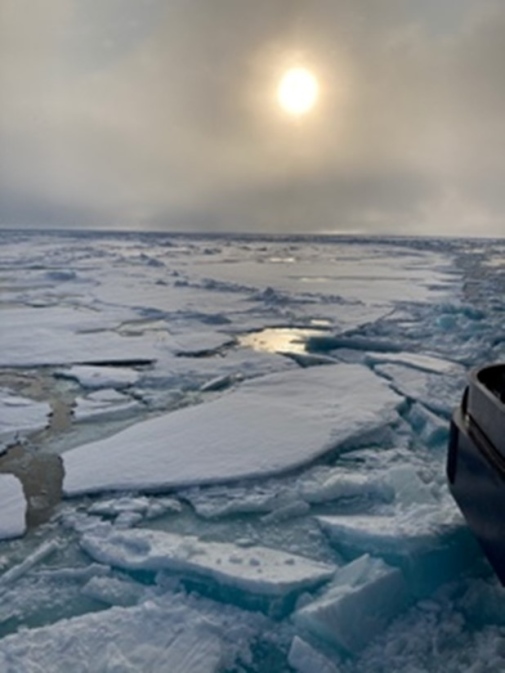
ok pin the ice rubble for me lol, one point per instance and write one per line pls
(20, 414)
(12, 507)
(430, 543)
(269, 425)
(362, 598)
(256, 569)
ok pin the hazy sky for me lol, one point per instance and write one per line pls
(162, 114)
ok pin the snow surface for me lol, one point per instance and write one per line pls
(269, 425)
(332, 456)
(12, 507)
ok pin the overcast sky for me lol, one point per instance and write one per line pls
(162, 114)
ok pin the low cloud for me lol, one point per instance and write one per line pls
(163, 115)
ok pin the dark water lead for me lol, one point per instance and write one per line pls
(41, 475)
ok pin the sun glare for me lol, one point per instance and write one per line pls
(298, 91)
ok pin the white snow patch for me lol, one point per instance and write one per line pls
(271, 424)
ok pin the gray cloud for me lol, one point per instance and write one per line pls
(134, 113)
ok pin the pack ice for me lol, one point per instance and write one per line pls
(271, 424)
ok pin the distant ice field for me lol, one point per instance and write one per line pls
(227, 454)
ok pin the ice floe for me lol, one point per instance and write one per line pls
(255, 569)
(269, 425)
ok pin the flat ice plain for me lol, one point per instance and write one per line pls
(232, 454)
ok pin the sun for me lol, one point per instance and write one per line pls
(298, 91)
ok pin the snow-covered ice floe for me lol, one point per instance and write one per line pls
(255, 569)
(12, 507)
(271, 424)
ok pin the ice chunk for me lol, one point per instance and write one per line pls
(46, 549)
(288, 510)
(90, 376)
(106, 403)
(425, 363)
(113, 591)
(438, 392)
(305, 659)
(431, 428)
(339, 483)
(408, 487)
(429, 542)
(12, 507)
(358, 604)
(255, 569)
(143, 638)
(119, 506)
(20, 414)
(271, 424)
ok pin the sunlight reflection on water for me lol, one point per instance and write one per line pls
(280, 339)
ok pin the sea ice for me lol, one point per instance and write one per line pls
(357, 605)
(255, 569)
(269, 425)
(12, 507)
